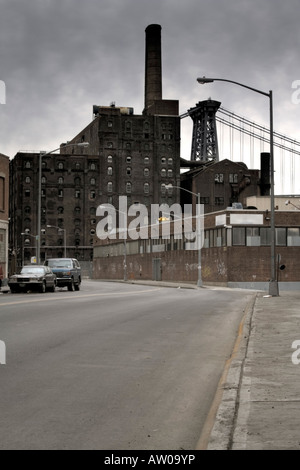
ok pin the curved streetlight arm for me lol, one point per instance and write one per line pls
(205, 80)
(183, 189)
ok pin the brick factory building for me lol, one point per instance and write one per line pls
(235, 253)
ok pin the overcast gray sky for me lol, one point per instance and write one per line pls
(60, 57)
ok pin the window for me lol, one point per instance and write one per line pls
(163, 172)
(170, 161)
(170, 173)
(128, 171)
(265, 236)
(219, 178)
(77, 193)
(239, 236)
(233, 178)
(28, 164)
(146, 160)
(60, 193)
(109, 187)
(92, 166)
(293, 236)
(128, 159)
(27, 179)
(77, 210)
(77, 181)
(77, 166)
(60, 180)
(109, 124)
(146, 172)
(60, 166)
(204, 200)
(219, 201)
(109, 145)
(27, 210)
(109, 159)
(146, 188)
(280, 236)
(163, 160)
(109, 171)
(60, 210)
(128, 188)
(253, 236)
(43, 193)
(92, 194)
(43, 180)
(27, 192)
(92, 181)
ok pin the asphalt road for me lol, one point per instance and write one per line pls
(113, 366)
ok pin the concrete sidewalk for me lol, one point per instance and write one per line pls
(260, 404)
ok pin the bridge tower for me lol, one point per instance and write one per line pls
(204, 140)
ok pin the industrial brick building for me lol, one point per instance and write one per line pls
(128, 154)
(236, 252)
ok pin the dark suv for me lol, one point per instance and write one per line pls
(67, 270)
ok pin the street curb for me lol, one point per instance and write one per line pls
(225, 405)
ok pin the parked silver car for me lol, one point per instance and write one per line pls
(40, 278)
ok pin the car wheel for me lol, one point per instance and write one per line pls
(53, 287)
(71, 287)
(77, 286)
(43, 288)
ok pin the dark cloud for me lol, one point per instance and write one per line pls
(60, 57)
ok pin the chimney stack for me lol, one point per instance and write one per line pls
(153, 74)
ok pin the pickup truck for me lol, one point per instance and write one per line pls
(67, 270)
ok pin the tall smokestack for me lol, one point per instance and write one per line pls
(153, 82)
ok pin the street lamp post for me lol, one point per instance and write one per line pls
(103, 206)
(42, 154)
(273, 284)
(65, 237)
(199, 281)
